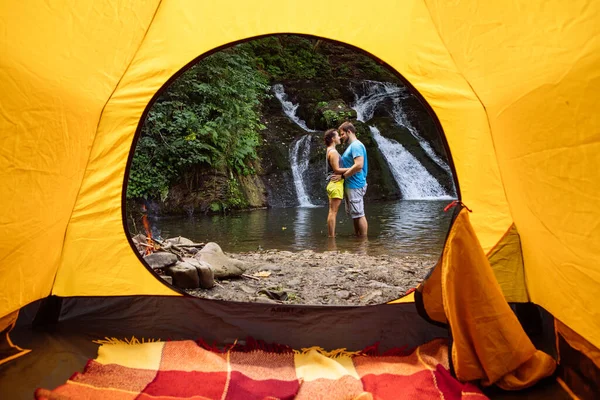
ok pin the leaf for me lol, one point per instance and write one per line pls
(262, 274)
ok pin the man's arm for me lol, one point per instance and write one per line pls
(359, 162)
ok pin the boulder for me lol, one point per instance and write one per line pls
(206, 275)
(222, 266)
(160, 260)
(185, 275)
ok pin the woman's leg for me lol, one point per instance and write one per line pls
(334, 205)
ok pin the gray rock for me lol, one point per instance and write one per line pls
(205, 272)
(372, 295)
(343, 294)
(179, 240)
(294, 282)
(206, 276)
(247, 289)
(329, 281)
(222, 266)
(379, 285)
(184, 275)
(160, 260)
(167, 279)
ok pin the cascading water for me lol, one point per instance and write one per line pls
(414, 180)
(374, 93)
(299, 158)
(289, 108)
(300, 151)
(402, 120)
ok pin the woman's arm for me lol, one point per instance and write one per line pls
(335, 162)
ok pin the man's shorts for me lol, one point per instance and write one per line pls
(355, 205)
(335, 190)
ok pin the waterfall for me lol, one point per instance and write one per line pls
(402, 120)
(289, 108)
(374, 93)
(415, 182)
(299, 153)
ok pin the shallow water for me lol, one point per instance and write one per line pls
(400, 228)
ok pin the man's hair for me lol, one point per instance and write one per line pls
(347, 126)
(329, 134)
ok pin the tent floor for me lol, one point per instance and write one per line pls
(60, 352)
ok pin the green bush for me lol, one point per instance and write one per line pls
(208, 116)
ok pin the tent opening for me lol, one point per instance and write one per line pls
(225, 191)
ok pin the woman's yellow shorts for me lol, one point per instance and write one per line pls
(335, 190)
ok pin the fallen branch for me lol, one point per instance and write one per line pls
(251, 277)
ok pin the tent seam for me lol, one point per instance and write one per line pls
(487, 118)
(96, 135)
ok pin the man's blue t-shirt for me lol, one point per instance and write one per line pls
(356, 149)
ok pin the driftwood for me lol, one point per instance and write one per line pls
(251, 277)
(177, 249)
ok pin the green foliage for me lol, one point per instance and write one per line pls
(208, 119)
(335, 118)
(290, 57)
(208, 116)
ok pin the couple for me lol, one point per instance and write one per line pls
(346, 177)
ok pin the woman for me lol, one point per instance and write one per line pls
(335, 190)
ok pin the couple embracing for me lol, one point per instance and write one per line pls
(346, 177)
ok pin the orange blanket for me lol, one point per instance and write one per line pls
(186, 370)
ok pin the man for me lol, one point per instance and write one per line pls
(355, 184)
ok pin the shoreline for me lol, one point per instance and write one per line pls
(307, 277)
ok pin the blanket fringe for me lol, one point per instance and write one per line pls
(250, 344)
(337, 353)
(132, 341)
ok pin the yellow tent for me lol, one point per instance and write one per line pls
(515, 86)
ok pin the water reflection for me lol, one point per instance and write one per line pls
(395, 228)
(302, 227)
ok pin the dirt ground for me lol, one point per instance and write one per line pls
(328, 278)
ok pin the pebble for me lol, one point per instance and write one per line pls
(343, 294)
(294, 282)
(247, 289)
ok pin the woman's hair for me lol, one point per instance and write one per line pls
(329, 134)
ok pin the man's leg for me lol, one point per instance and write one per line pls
(361, 226)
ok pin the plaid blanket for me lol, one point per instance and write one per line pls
(188, 370)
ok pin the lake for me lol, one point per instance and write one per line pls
(399, 228)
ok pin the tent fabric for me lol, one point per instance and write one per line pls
(169, 46)
(545, 130)
(8, 350)
(514, 86)
(506, 260)
(489, 343)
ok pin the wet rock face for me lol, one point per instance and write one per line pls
(328, 278)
